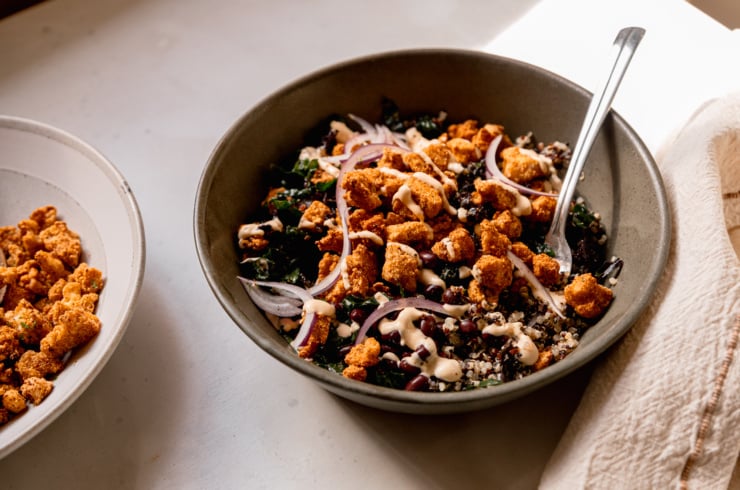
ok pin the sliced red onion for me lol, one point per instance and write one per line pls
(365, 125)
(277, 304)
(539, 291)
(492, 170)
(395, 305)
(301, 338)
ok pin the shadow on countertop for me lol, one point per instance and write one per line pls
(10, 7)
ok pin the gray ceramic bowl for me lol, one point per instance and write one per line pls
(622, 182)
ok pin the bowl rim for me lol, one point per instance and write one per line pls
(138, 262)
(444, 401)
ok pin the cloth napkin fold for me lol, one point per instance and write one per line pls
(662, 409)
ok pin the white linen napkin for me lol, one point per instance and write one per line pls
(662, 409)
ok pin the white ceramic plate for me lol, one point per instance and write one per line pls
(42, 165)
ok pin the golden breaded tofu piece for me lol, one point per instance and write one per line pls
(327, 264)
(52, 268)
(494, 273)
(358, 373)
(331, 242)
(546, 269)
(13, 401)
(492, 241)
(362, 222)
(440, 155)
(63, 242)
(34, 364)
(411, 233)
(362, 270)
(463, 150)
(417, 200)
(587, 297)
(520, 167)
(36, 389)
(316, 213)
(400, 267)
(366, 354)
(392, 158)
(521, 250)
(29, 323)
(544, 359)
(416, 163)
(465, 130)
(317, 337)
(482, 139)
(458, 246)
(363, 188)
(89, 278)
(543, 209)
(10, 346)
(45, 216)
(508, 223)
(490, 191)
(74, 327)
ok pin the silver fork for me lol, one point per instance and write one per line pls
(625, 45)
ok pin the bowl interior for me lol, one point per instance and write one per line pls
(465, 85)
(41, 166)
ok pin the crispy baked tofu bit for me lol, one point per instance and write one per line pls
(465, 130)
(34, 364)
(492, 241)
(29, 323)
(508, 223)
(520, 167)
(362, 270)
(366, 354)
(36, 389)
(62, 242)
(546, 269)
(316, 213)
(317, 337)
(494, 273)
(358, 373)
(588, 298)
(458, 246)
(410, 233)
(464, 150)
(482, 139)
(521, 250)
(543, 209)
(74, 327)
(400, 267)
(494, 193)
(362, 188)
(420, 194)
(10, 347)
(13, 401)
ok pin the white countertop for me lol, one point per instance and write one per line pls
(187, 400)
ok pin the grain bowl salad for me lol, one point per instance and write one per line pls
(410, 253)
(48, 296)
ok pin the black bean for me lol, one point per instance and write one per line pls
(453, 296)
(428, 325)
(358, 315)
(418, 383)
(423, 352)
(407, 367)
(343, 351)
(433, 292)
(428, 259)
(468, 327)
(393, 337)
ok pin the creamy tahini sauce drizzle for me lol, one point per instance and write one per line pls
(404, 195)
(528, 352)
(255, 229)
(319, 306)
(523, 206)
(429, 278)
(431, 181)
(445, 369)
(366, 234)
